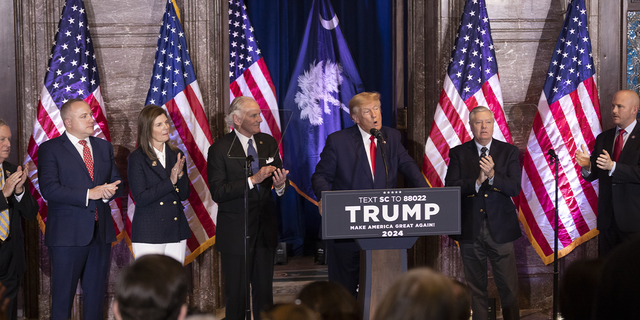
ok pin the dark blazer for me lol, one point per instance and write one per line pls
(226, 175)
(64, 181)
(159, 213)
(619, 193)
(26, 208)
(492, 201)
(344, 165)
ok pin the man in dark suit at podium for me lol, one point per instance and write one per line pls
(615, 162)
(488, 174)
(226, 172)
(352, 160)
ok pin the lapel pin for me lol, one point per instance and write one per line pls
(633, 137)
(7, 173)
(154, 163)
(260, 142)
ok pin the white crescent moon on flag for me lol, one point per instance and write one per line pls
(329, 24)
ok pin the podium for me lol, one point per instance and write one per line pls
(385, 223)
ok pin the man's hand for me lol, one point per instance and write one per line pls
(176, 171)
(25, 173)
(11, 182)
(583, 158)
(105, 191)
(320, 207)
(264, 173)
(604, 161)
(486, 165)
(279, 178)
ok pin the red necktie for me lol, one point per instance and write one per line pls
(372, 154)
(617, 146)
(88, 161)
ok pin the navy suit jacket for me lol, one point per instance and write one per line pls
(344, 165)
(226, 174)
(159, 214)
(27, 208)
(64, 181)
(492, 201)
(619, 193)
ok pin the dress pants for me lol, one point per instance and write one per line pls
(176, 250)
(10, 278)
(90, 265)
(612, 236)
(343, 262)
(260, 260)
(505, 274)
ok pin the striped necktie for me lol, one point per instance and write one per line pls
(4, 218)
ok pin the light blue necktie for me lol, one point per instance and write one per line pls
(255, 166)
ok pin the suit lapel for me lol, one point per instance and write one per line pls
(262, 151)
(76, 155)
(156, 165)
(8, 169)
(361, 155)
(236, 150)
(632, 142)
(474, 157)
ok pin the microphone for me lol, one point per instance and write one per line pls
(552, 156)
(376, 133)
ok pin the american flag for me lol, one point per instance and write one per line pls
(72, 73)
(173, 86)
(472, 80)
(568, 116)
(248, 73)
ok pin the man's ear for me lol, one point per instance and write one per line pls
(116, 310)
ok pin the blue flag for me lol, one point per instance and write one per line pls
(325, 78)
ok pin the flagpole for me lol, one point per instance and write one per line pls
(553, 157)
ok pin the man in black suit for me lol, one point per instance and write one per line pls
(352, 160)
(615, 161)
(226, 173)
(15, 202)
(488, 174)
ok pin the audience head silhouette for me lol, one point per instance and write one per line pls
(154, 287)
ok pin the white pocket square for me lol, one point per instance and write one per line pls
(269, 160)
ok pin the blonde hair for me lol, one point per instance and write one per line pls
(362, 99)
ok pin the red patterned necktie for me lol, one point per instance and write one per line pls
(88, 161)
(372, 154)
(617, 146)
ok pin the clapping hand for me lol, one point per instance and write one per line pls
(176, 171)
(279, 178)
(582, 158)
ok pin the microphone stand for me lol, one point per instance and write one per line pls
(376, 133)
(553, 157)
(382, 144)
(247, 302)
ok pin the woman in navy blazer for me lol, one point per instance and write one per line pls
(158, 184)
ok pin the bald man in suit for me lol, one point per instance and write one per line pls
(78, 178)
(615, 162)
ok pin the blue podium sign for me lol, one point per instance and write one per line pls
(387, 213)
